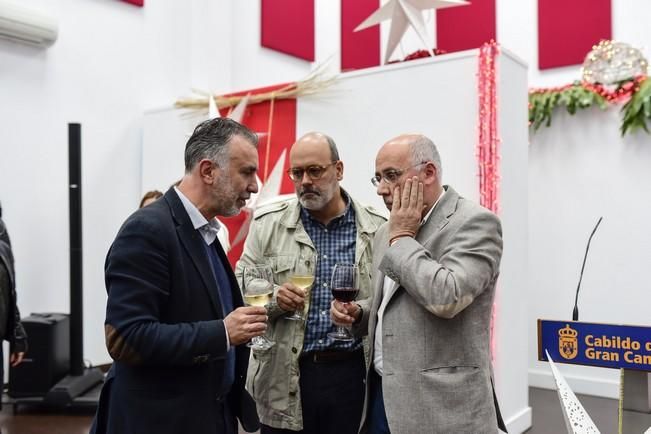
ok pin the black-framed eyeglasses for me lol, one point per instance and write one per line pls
(314, 172)
(392, 176)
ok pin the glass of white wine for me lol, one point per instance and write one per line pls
(257, 287)
(303, 277)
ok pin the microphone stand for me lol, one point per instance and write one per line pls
(575, 312)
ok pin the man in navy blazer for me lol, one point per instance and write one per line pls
(175, 321)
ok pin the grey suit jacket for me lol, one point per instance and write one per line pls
(436, 327)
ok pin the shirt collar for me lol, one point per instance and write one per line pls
(429, 213)
(207, 229)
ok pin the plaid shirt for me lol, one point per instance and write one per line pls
(334, 243)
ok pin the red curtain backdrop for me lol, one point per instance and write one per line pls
(140, 3)
(282, 136)
(358, 49)
(465, 27)
(288, 26)
(567, 30)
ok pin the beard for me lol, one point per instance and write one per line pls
(315, 199)
(229, 200)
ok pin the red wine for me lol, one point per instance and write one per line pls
(345, 295)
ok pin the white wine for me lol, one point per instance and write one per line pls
(302, 281)
(258, 292)
(259, 300)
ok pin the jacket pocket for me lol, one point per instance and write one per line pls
(269, 384)
(451, 391)
(281, 265)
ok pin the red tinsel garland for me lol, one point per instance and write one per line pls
(487, 147)
(488, 143)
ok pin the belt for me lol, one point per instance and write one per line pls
(330, 356)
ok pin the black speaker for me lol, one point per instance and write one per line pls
(76, 264)
(48, 357)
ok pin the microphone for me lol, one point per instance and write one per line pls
(575, 312)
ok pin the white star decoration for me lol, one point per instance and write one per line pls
(577, 419)
(404, 13)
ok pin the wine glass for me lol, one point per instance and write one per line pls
(344, 288)
(303, 277)
(257, 287)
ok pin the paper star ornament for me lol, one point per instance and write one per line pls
(405, 13)
(577, 420)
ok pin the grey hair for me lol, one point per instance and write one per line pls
(334, 153)
(423, 150)
(210, 141)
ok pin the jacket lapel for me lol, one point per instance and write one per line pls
(194, 245)
(440, 216)
(380, 245)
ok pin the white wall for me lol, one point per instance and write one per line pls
(510, 306)
(517, 29)
(92, 75)
(110, 62)
(581, 169)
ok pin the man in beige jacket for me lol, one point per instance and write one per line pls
(308, 382)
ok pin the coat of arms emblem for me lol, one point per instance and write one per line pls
(567, 343)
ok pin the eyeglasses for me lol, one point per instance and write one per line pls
(314, 172)
(392, 176)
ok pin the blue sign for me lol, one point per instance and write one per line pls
(603, 345)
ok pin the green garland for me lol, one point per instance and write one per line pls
(581, 95)
(542, 103)
(638, 109)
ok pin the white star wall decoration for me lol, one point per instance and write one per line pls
(405, 13)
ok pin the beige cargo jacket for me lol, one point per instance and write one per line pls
(277, 234)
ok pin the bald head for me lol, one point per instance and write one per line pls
(403, 157)
(316, 142)
(413, 149)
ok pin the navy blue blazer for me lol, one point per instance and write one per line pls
(165, 332)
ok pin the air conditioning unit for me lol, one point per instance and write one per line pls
(27, 25)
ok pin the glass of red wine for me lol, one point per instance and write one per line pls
(344, 288)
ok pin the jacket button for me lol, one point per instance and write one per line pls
(292, 393)
(294, 350)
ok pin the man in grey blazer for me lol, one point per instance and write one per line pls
(435, 264)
